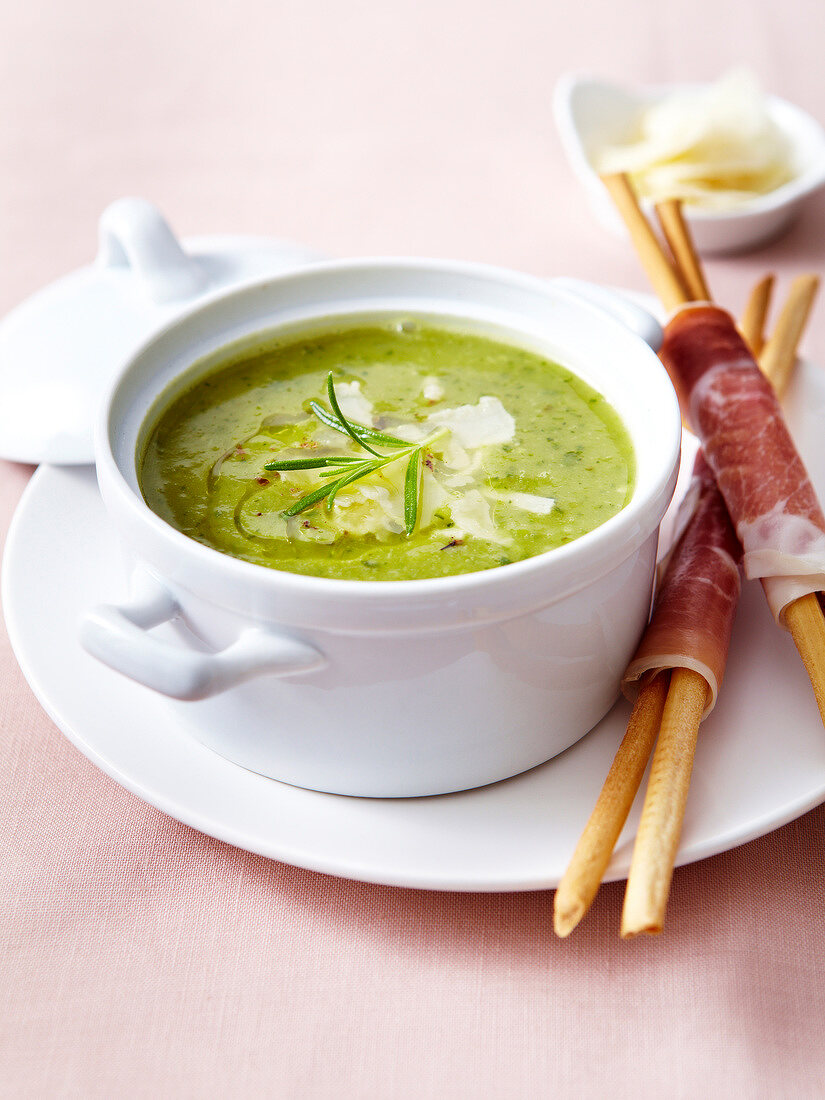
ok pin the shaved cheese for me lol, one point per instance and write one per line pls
(528, 502)
(471, 514)
(432, 388)
(715, 147)
(434, 497)
(353, 404)
(413, 433)
(373, 506)
(456, 481)
(480, 425)
(456, 458)
(388, 512)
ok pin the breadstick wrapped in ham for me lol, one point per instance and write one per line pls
(689, 631)
(734, 411)
(696, 601)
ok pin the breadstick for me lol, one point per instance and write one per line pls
(663, 276)
(752, 324)
(583, 876)
(657, 841)
(779, 354)
(669, 213)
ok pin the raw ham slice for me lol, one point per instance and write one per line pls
(735, 413)
(696, 601)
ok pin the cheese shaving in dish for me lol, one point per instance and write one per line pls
(714, 147)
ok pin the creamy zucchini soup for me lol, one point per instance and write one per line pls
(390, 451)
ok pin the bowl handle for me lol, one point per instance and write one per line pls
(118, 636)
(134, 235)
(617, 306)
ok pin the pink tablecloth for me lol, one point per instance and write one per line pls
(141, 958)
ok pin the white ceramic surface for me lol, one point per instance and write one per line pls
(760, 760)
(591, 113)
(61, 348)
(394, 688)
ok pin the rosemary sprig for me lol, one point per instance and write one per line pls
(346, 469)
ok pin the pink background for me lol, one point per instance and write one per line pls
(141, 958)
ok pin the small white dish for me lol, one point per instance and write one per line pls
(760, 761)
(591, 113)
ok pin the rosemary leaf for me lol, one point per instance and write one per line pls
(308, 500)
(374, 436)
(336, 408)
(310, 463)
(368, 464)
(359, 432)
(412, 484)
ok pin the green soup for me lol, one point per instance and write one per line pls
(499, 454)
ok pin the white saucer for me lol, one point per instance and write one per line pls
(760, 763)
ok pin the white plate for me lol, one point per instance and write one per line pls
(760, 762)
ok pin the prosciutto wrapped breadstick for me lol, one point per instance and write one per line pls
(689, 630)
(734, 411)
(696, 602)
(688, 634)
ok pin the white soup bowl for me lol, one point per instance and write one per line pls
(391, 688)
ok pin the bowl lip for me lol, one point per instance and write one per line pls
(623, 527)
(805, 183)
